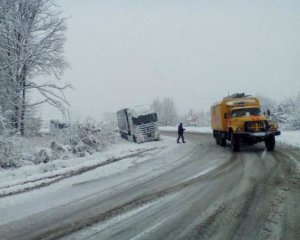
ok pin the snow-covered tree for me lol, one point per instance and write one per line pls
(197, 119)
(33, 123)
(31, 45)
(170, 115)
(286, 113)
(157, 106)
(296, 113)
(266, 103)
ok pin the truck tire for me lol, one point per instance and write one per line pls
(223, 141)
(270, 143)
(217, 138)
(134, 139)
(235, 143)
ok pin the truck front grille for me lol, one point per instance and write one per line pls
(147, 129)
(256, 126)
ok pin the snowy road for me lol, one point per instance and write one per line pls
(195, 191)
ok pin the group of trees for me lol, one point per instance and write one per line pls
(168, 115)
(32, 35)
(197, 119)
(286, 113)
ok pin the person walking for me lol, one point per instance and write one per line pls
(180, 133)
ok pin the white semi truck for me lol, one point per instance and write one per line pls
(138, 124)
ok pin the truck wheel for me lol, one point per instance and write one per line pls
(223, 141)
(270, 143)
(235, 143)
(134, 139)
(217, 140)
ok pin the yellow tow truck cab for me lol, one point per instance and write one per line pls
(238, 119)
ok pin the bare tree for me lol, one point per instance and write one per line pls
(32, 35)
(170, 111)
(166, 111)
(296, 113)
(157, 106)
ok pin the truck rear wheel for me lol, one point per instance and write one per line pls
(217, 138)
(270, 143)
(235, 143)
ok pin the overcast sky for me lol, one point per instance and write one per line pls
(128, 52)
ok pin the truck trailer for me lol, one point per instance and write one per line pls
(138, 124)
(238, 119)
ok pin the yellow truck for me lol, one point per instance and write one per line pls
(238, 119)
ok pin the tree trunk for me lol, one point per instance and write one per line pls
(23, 106)
(15, 120)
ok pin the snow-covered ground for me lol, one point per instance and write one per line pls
(32, 176)
(290, 137)
(124, 164)
(105, 179)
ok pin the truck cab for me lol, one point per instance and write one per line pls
(139, 124)
(249, 118)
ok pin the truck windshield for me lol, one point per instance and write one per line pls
(144, 119)
(245, 112)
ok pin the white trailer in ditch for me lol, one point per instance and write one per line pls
(138, 124)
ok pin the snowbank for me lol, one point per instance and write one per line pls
(81, 140)
(290, 137)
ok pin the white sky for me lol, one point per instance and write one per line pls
(127, 52)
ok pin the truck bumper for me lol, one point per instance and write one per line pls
(257, 135)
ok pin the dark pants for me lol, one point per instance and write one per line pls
(180, 136)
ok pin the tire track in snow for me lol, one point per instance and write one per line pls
(67, 229)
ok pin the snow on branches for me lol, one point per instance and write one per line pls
(32, 36)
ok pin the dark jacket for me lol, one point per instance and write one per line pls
(180, 129)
